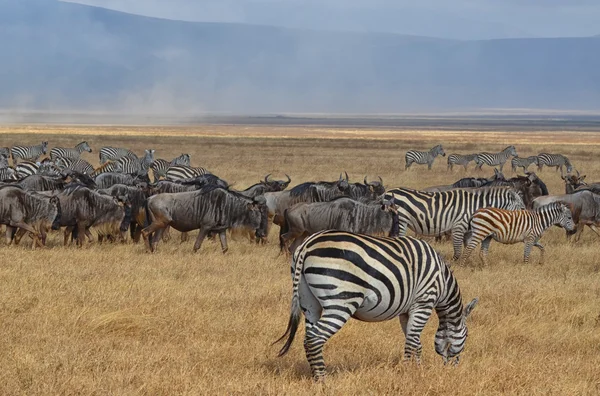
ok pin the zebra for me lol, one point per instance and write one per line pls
(113, 153)
(31, 153)
(338, 275)
(518, 162)
(135, 165)
(423, 157)
(71, 153)
(76, 164)
(181, 172)
(509, 227)
(4, 152)
(459, 159)
(557, 160)
(8, 174)
(435, 213)
(160, 166)
(495, 159)
(26, 168)
(107, 167)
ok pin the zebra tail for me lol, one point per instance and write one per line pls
(295, 311)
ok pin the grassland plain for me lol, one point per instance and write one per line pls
(112, 319)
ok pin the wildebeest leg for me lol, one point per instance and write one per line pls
(578, 232)
(223, 238)
(152, 241)
(593, 228)
(201, 236)
(67, 234)
(157, 237)
(184, 237)
(18, 235)
(9, 234)
(166, 235)
(26, 227)
(89, 235)
(80, 234)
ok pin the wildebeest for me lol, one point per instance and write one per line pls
(84, 208)
(366, 191)
(573, 182)
(342, 213)
(26, 210)
(108, 179)
(467, 182)
(43, 220)
(137, 197)
(265, 186)
(530, 187)
(322, 191)
(585, 206)
(211, 208)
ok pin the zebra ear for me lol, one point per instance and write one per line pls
(469, 307)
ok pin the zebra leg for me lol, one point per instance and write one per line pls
(542, 251)
(417, 318)
(483, 253)
(528, 245)
(473, 242)
(317, 334)
(408, 164)
(501, 166)
(458, 235)
(223, 238)
(429, 165)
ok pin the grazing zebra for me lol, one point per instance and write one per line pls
(77, 164)
(29, 153)
(423, 157)
(557, 160)
(160, 166)
(135, 165)
(113, 154)
(435, 213)
(107, 167)
(495, 159)
(510, 227)
(181, 172)
(338, 275)
(518, 162)
(71, 153)
(8, 174)
(459, 159)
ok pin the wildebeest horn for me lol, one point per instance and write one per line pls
(365, 181)
(577, 170)
(267, 178)
(340, 177)
(347, 178)
(380, 180)
(289, 180)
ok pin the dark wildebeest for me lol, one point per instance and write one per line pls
(50, 183)
(530, 187)
(366, 191)
(26, 210)
(342, 213)
(43, 220)
(211, 208)
(278, 202)
(467, 182)
(573, 182)
(206, 179)
(84, 208)
(108, 179)
(137, 197)
(585, 206)
(265, 186)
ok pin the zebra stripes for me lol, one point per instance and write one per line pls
(4, 152)
(518, 162)
(338, 275)
(510, 227)
(8, 174)
(557, 160)
(134, 165)
(71, 153)
(107, 167)
(26, 168)
(459, 159)
(181, 172)
(160, 166)
(495, 159)
(435, 213)
(3, 162)
(30, 153)
(113, 154)
(423, 157)
(77, 164)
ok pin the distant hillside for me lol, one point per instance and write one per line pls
(63, 55)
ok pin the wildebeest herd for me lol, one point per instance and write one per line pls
(351, 255)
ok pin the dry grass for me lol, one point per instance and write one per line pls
(113, 319)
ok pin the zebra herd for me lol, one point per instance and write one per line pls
(337, 273)
(491, 159)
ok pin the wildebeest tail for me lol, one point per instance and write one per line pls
(283, 229)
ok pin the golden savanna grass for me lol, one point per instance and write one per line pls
(113, 319)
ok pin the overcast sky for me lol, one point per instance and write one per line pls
(463, 19)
